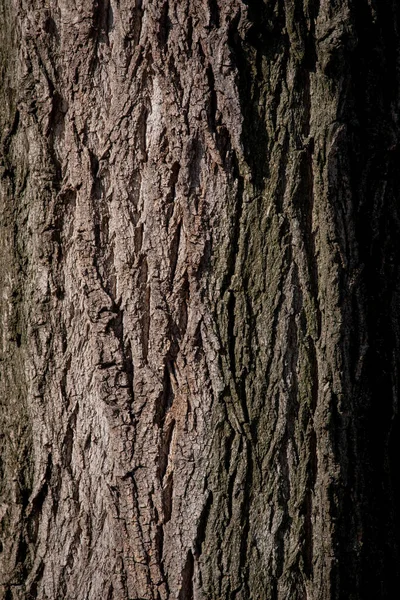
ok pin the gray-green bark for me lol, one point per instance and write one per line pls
(199, 299)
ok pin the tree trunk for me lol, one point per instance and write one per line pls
(199, 299)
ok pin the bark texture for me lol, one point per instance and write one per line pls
(199, 307)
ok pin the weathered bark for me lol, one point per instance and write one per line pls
(199, 276)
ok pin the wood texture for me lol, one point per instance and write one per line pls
(199, 308)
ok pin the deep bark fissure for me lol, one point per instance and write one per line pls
(199, 300)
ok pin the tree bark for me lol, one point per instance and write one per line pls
(199, 308)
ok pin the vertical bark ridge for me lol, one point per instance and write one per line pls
(198, 299)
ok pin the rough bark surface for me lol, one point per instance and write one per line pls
(199, 277)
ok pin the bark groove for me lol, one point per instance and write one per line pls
(199, 308)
